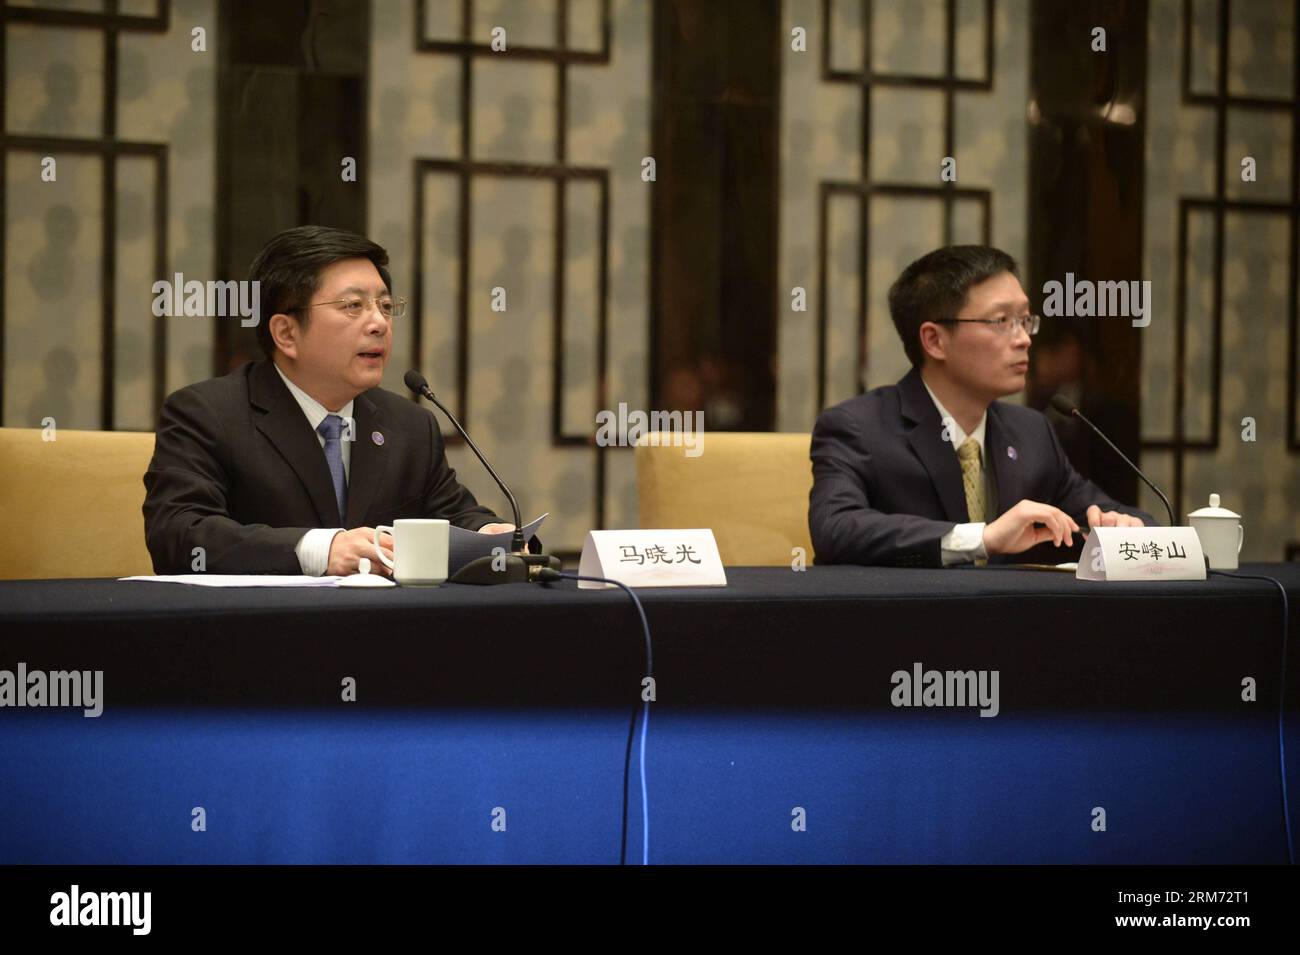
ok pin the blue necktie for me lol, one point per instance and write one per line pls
(330, 429)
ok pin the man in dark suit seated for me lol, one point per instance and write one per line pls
(285, 465)
(935, 471)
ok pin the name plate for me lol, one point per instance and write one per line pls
(652, 558)
(1142, 553)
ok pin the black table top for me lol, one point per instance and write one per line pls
(827, 637)
(48, 601)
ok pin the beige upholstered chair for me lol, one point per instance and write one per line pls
(71, 506)
(750, 488)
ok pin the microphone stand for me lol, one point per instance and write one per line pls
(518, 566)
(1066, 407)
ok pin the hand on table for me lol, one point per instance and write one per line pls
(348, 547)
(1016, 531)
(1099, 518)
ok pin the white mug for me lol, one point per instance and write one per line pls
(419, 551)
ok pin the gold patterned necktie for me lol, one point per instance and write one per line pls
(972, 480)
(973, 483)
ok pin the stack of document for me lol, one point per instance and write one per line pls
(243, 580)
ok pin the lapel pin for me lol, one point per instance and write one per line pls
(377, 437)
(1011, 452)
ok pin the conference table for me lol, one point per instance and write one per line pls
(1130, 722)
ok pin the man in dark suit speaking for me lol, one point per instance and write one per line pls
(935, 471)
(285, 465)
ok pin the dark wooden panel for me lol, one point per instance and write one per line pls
(291, 103)
(714, 209)
(1086, 190)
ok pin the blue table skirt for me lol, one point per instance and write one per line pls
(421, 786)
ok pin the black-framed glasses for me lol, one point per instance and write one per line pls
(1004, 325)
(355, 306)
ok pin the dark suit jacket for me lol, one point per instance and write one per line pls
(887, 484)
(238, 471)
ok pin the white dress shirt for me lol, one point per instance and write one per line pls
(313, 548)
(965, 542)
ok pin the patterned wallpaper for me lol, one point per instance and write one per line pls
(166, 96)
(416, 114)
(54, 91)
(821, 141)
(1259, 479)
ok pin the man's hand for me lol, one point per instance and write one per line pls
(1099, 518)
(1015, 531)
(348, 547)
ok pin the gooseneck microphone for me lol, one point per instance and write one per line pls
(1067, 407)
(417, 383)
(519, 565)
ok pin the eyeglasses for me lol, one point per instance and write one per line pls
(355, 307)
(1030, 323)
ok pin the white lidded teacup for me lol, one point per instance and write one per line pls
(1220, 532)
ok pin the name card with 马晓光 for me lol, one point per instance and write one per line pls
(653, 558)
(1142, 553)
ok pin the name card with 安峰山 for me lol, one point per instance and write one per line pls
(652, 558)
(1142, 553)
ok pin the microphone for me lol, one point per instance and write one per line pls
(1066, 407)
(519, 564)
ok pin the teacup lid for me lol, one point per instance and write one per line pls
(1214, 510)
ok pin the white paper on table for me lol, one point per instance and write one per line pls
(242, 580)
(465, 545)
(1067, 567)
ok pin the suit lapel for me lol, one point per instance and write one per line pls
(1004, 459)
(369, 459)
(286, 427)
(929, 444)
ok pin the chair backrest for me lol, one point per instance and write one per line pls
(751, 488)
(72, 506)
